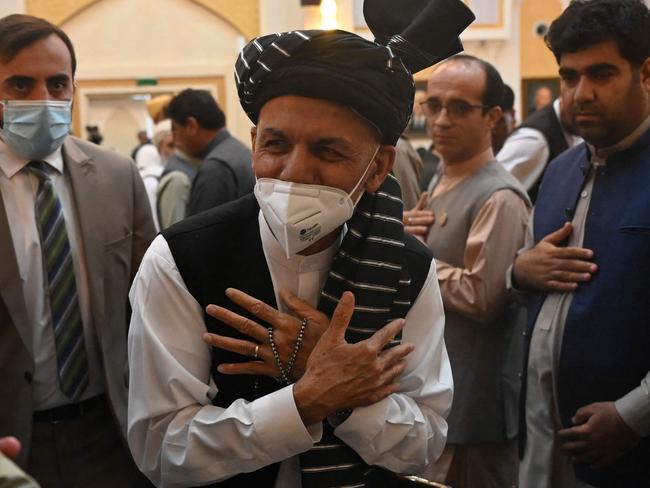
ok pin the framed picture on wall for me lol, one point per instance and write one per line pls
(538, 92)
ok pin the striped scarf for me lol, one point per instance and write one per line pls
(370, 264)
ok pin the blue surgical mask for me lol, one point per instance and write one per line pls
(34, 129)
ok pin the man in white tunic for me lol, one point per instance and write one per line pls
(299, 282)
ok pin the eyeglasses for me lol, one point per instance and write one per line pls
(455, 108)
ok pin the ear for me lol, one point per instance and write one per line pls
(191, 126)
(253, 137)
(494, 115)
(383, 164)
(645, 75)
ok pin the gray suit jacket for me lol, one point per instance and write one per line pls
(116, 228)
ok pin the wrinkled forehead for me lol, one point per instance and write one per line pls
(320, 116)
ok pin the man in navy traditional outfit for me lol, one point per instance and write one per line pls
(588, 262)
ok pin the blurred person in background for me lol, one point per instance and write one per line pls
(199, 127)
(480, 214)
(543, 136)
(506, 123)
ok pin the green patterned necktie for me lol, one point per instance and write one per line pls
(71, 358)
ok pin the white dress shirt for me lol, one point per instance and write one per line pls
(178, 438)
(19, 187)
(525, 153)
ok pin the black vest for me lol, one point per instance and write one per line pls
(222, 248)
(545, 120)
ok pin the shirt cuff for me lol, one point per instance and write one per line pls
(360, 429)
(511, 287)
(278, 423)
(634, 409)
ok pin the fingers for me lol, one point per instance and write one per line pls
(417, 230)
(300, 307)
(258, 368)
(245, 348)
(556, 238)
(582, 415)
(10, 446)
(570, 277)
(422, 201)
(242, 324)
(380, 393)
(559, 236)
(342, 315)
(257, 307)
(572, 433)
(575, 265)
(395, 354)
(419, 218)
(392, 373)
(575, 447)
(577, 253)
(561, 287)
(386, 334)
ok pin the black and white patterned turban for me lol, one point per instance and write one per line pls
(372, 78)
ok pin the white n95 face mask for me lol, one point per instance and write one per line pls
(34, 129)
(299, 214)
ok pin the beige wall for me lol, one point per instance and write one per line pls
(504, 54)
(128, 39)
(536, 60)
(11, 7)
(131, 39)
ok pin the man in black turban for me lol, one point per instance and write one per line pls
(329, 366)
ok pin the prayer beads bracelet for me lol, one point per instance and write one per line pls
(286, 374)
(296, 346)
(276, 356)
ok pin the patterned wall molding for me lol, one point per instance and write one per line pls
(243, 15)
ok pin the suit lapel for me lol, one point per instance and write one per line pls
(11, 288)
(84, 183)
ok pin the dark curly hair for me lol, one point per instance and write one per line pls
(588, 22)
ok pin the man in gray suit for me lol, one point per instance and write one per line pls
(199, 128)
(74, 224)
(480, 221)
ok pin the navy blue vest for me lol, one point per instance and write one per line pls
(606, 343)
(222, 248)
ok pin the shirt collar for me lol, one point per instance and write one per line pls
(599, 156)
(571, 139)
(297, 263)
(475, 162)
(11, 163)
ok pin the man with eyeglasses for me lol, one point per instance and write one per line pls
(480, 220)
